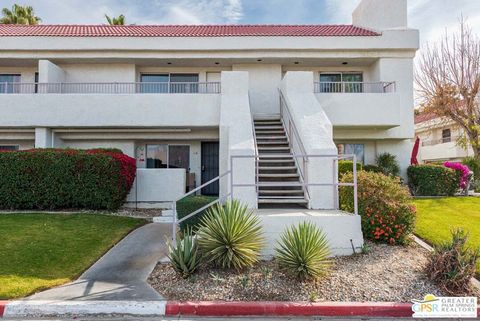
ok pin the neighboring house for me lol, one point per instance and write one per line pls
(438, 139)
(182, 100)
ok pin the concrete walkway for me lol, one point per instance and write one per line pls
(122, 272)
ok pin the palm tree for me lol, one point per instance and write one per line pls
(119, 21)
(19, 15)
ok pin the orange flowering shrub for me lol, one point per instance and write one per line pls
(385, 206)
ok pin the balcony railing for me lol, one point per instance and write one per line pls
(434, 142)
(112, 88)
(354, 87)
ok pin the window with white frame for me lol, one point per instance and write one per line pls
(352, 149)
(168, 156)
(446, 135)
(7, 83)
(336, 82)
(169, 83)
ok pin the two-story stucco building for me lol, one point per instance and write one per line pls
(439, 139)
(183, 100)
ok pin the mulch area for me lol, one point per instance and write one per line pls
(385, 273)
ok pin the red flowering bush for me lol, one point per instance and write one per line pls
(462, 171)
(385, 206)
(65, 179)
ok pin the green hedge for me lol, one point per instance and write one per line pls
(432, 180)
(345, 166)
(372, 168)
(188, 205)
(474, 165)
(50, 179)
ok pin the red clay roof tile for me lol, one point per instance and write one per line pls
(184, 31)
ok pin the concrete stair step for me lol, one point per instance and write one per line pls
(279, 175)
(282, 200)
(274, 148)
(277, 127)
(275, 192)
(266, 137)
(277, 168)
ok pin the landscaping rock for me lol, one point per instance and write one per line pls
(386, 273)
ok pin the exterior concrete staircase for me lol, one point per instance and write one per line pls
(272, 139)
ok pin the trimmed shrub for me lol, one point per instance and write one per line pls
(432, 180)
(388, 165)
(372, 168)
(453, 264)
(65, 179)
(303, 251)
(185, 257)
(345, 166)
(385, 206)
(189, 205)
(230, 236)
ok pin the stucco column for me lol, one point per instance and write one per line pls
(236, 138)
(316, 136)
(43, 137)
(50, 73)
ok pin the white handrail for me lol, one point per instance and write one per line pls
(111, 88)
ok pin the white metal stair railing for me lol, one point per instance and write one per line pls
(335, 184)
(176, 221)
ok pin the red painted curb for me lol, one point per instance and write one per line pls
(368, 309)
(3, 304)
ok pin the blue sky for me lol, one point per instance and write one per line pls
(430, 16)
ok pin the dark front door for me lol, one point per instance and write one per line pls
(210, 151)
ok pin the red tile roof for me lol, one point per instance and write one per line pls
(422, 117)
(184, 31)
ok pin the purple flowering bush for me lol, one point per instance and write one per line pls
(462, 170)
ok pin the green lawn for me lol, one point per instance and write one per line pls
(436, 217)
(39, 251)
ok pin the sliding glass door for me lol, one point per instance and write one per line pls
(169, 83)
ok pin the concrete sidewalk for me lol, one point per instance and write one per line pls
(121, 273)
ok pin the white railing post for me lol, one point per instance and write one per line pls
(174, 223)
(355, 187)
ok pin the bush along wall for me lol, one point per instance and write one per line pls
(388, 215)
(432, 180)
(50, 179)
(346, 166)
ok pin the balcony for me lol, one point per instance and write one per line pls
(360, 104)
(442, 149)
(110, 104)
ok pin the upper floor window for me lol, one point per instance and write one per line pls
(446, 135)
(336, 82)
(7, 82)
(169, 83)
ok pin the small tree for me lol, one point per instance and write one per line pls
(118, 21)
(448, 82)
(19, 15)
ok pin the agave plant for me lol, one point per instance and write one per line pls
(230, 236)
(303, 251)
(184, 256)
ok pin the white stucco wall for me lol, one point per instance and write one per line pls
(381, 14)
(105, 110)
(99, 72)
(236, 137)
(48, 72)
(264, 80)
(157, 185)
(316, 133)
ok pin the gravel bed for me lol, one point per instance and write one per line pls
(139, 213)
(386, 273)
